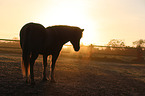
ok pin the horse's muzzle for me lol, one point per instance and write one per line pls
(77, 49)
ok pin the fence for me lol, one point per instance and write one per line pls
(92, 51)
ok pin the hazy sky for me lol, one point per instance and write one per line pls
(102, 20)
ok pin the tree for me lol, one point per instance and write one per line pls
(116, 43)
(140, 43)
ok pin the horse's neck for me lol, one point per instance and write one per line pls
(57, 37)
(63, 37)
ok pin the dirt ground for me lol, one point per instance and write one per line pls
(74, 77)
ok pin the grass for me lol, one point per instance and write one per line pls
(76, 75)
(123, 66)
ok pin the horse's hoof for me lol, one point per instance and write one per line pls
(27, 81)
(44, 79)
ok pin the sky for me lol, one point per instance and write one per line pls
(102, 20)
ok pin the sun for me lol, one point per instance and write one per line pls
(90, 35)
(70, 13)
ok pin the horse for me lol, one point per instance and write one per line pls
(35, 39)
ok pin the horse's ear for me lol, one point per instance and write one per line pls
(82, 30)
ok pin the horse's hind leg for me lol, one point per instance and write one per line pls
(45, 66)
(25, 65)
(32, 61)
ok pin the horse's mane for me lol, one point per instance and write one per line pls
(63, 26)
(65, 29)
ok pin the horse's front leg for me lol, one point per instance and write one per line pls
(45, 67)
(54, 58)
(32, 61)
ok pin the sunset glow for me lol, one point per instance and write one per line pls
(102, 20)
(65, 13)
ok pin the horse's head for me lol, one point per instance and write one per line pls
(75, 38)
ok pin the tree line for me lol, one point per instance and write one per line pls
(118, 47)
(121, 43)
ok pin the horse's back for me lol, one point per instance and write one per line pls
(32, 37)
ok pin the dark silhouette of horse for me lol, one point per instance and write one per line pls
(35, 39)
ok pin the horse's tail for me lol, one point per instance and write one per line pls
(25, 65)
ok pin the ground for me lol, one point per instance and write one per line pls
(75, 77)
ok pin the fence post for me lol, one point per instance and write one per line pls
(139, 54)
(90, 50)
